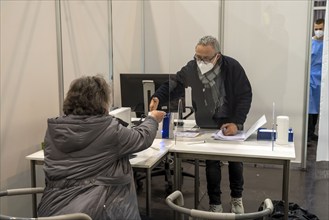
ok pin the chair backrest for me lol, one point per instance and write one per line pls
(177, 197)
(26, 191)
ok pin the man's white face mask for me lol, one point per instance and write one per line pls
(318, 33)
(204, 67)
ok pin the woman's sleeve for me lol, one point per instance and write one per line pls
(132, 140)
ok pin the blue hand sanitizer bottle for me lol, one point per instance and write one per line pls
(166, 126)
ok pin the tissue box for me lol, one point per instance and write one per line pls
(266, 134)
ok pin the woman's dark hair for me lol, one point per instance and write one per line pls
(88, 95)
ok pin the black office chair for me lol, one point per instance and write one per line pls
(26, 191)
(176, 202)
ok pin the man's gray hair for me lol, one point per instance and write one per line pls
(210, 40)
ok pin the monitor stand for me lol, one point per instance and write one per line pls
(148, 91)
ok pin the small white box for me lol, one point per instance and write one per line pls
(124, 113)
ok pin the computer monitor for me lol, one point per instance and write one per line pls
(133, 92)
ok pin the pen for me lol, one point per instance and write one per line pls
(155, 148)
(198, 142)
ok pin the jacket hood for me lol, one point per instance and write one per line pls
(74, 133)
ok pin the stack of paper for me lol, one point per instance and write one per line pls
(241, 135)
(186, 134)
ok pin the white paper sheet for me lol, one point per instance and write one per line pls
(241, 135)
(186, 134)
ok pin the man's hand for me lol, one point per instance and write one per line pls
(229, 129)
(154, 103)
(157, 115)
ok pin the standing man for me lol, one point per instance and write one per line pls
(315, 79)
(221, 98)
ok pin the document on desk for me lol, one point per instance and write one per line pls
(187, 134)
(241, 135)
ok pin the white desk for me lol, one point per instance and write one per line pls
(145, 161)
(248, 151)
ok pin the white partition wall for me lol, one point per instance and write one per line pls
(29, 77)
(158, 36)
(128, 49)
(322, 150)
(85, 39)
(173, 28)
(29, 91)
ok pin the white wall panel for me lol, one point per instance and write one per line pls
(128, 51)
(29, 91)
(322, 149)
(173, 28)
(158, 36)
(29, 77)
(269, 39)
(85, 39)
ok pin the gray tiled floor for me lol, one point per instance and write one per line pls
(308, 188)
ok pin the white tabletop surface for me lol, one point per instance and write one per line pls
(39, 156)
(145, 159)
(148, 157)
(249, 148)
(205, 144)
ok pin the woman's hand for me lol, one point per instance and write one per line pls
(157, 115)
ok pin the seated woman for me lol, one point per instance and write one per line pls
(87, 167)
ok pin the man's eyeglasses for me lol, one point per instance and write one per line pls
(204, 59)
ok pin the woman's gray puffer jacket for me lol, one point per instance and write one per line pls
(87, 166)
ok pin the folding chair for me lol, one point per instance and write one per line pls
(177, 197)
(26, 191)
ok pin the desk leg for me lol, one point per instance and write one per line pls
(33, 184)
(196, 184)
(148, 192)
(177, 182)
(285, 185)
(178, 173)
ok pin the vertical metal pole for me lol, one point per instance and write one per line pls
(59, 54)
(307, 82)
(177, 182)
(221, 25)
(110, 41)
(148, 192)
(285, 186)
(33, 185)
(177, 172)
(143, 37)
(196, 183)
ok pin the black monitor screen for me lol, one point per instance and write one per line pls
(132, 94)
